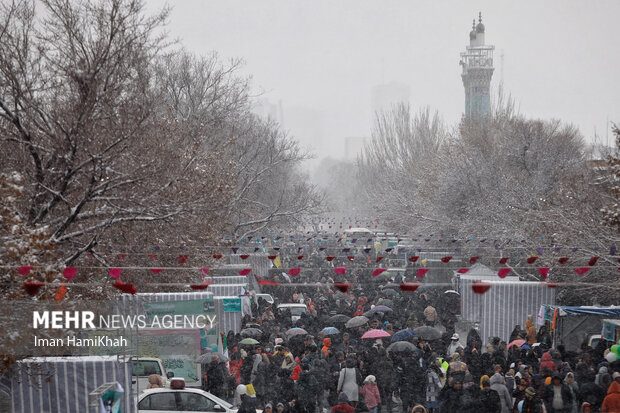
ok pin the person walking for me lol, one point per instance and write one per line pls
(370, 391)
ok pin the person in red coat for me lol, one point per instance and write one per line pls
(343, 405)
(547, 363)
(370, 391)
(611, 403)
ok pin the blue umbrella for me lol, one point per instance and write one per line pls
(403, 335)
(330, 330)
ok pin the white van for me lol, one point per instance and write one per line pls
(296, 310)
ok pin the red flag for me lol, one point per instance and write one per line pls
(473, 260)
(422, 272)
(202, 286)
(531, 260)
(272, 257)
(156, 270)
(33, 287)
(115, 272)
(181, 259)
(409, 287)
(294, 271)
(24, 269)
(593, 261)
(217, 256)
(152, 256)
(300, 257)
(544, 271)
(245, 271)
(205, 271)
(462, 270)
(379, 259)
(244, 256)
(480, 287)
(340, 270)
(582, 270)
(414, 259)
(69, 272)
(378, 271)
(343, 287)
(503, 272)
(125, 287)
(330, 258)
(446, 259)
(563, 260)
(504, 260)
(351, 257)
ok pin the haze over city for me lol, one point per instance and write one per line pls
(314, 65)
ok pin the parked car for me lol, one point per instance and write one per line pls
(178, 398)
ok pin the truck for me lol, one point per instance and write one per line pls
(142, 368)
(574, 326)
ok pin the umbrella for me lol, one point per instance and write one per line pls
(360, 320)
(378, 309)
(389, 292)
(401, 346)
(427, 333)
(248, 341)
(386, 302)
(208, 357)
(296, 331)
(330, 330)
(403, 335)
(376, 334)
(451, 292)
(253, 325)
(338, 318)
(518, 342)
(251, 332)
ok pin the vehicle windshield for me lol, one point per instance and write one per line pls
(297, 310)
(145, 368)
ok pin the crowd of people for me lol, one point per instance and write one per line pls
(312, 370)
(320, 361)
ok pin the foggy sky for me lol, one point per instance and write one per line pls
(323, 57)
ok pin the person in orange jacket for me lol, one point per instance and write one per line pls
(531, 332)
(611, 403)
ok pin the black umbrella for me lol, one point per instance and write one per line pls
(360, 320)
(401, 346)
(251, 332)
(338, 318)
(389, 292)
(386, 302)
(427, 333)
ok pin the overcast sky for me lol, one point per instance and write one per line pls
(322, 58)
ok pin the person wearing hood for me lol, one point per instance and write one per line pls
(547, 363)
(531, 331)
(347, 381)
(611, 403)
(450, 396)
(516, 334)
(531, 403)
(498, 384)
(307, 388)
(557, 396)
(327, 342)
(454, 345)
(489, 399)
(343, 405)
(370, 391)
(569, 380)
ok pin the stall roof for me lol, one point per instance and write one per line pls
(613, 311)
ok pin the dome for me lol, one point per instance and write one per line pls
(480, 28)
(472, 35)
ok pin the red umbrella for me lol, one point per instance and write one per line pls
(518, 342)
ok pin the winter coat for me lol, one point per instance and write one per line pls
(531, 332)
(370, 391)
(248, 404)
(450, 399)
(547, 363)
(612, 400)
(497, 384)
(566, 398)
(347, 383)
(454, 345)
(433, 386)
(307, 386)
(532, 406)
(490, 402)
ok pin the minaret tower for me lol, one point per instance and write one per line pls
(477, 62)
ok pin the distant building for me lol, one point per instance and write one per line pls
(267, 110)
(390, 94)
(477, 62)
(353, 146)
